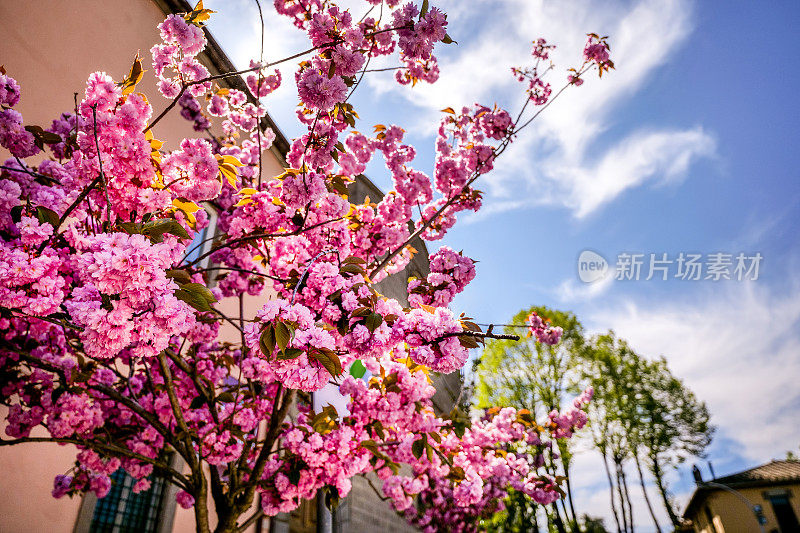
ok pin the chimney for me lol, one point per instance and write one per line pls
(698, 477)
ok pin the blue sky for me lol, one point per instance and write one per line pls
(689, 146)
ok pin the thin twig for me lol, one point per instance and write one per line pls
(100, 162)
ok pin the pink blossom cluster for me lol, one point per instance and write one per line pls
(111, 336)
(450, 273)
(312, 460)
(566, 422)
(126, 299)
(182, 41)
(461, 477)
(537, 326)
(13, 136)
(538, 90)
(301, 370)
(192, 172)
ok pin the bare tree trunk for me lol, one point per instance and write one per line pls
(611, 490)
(201, 508)
(557, 520)
(627, 495)
(644, 492)
(576, 526)
(621, 496)
(659, 477)
(564, 510)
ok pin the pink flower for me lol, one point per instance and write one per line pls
(184, 499)
(320, 92)
(9, 91)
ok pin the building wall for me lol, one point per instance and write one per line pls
(731, 515)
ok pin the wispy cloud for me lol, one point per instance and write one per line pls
(570, 290)
(559, 162)
(738, 347)
(659, 157)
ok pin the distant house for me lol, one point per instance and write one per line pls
(765, 498)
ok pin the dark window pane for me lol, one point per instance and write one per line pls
(784, 513)
(123, 511)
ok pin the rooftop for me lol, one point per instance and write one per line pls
(772, 473)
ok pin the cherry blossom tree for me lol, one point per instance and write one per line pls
(110, 333)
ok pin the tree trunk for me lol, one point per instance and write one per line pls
(627, 495)
(201, 508)
(557, 520)
(564, 510)
(621, 496)
(576, 526)
(659, 477)
(572, 518)
(644, 492)
(611, 490)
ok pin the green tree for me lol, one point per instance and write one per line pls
(537, 377)
(678, 428)
(609, 366)
(641, 412)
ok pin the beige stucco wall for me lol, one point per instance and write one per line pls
(731, 515)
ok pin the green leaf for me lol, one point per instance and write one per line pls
(226, 397)
(357, 369)
(290, 353)
(467, 342)
(328, 359)
(360, 311)
(418, 447)
(448, 40)
(267, 340)
(155, 230)
(373, 321)
(456, 474)
(282, 335)
(424, 10)
(351, 268)
(197, 402)
(196, 295)
(16, 213)
(180, 276)
(378, 427)
(47, 215)
(370, 445)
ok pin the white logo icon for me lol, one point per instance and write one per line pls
(591, 266)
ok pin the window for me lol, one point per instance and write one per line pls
(784, 513)
(123, 511)
(202, 241)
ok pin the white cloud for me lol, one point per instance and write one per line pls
(662, 157)
(738, 347)
(556, 162)
(571, 290)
